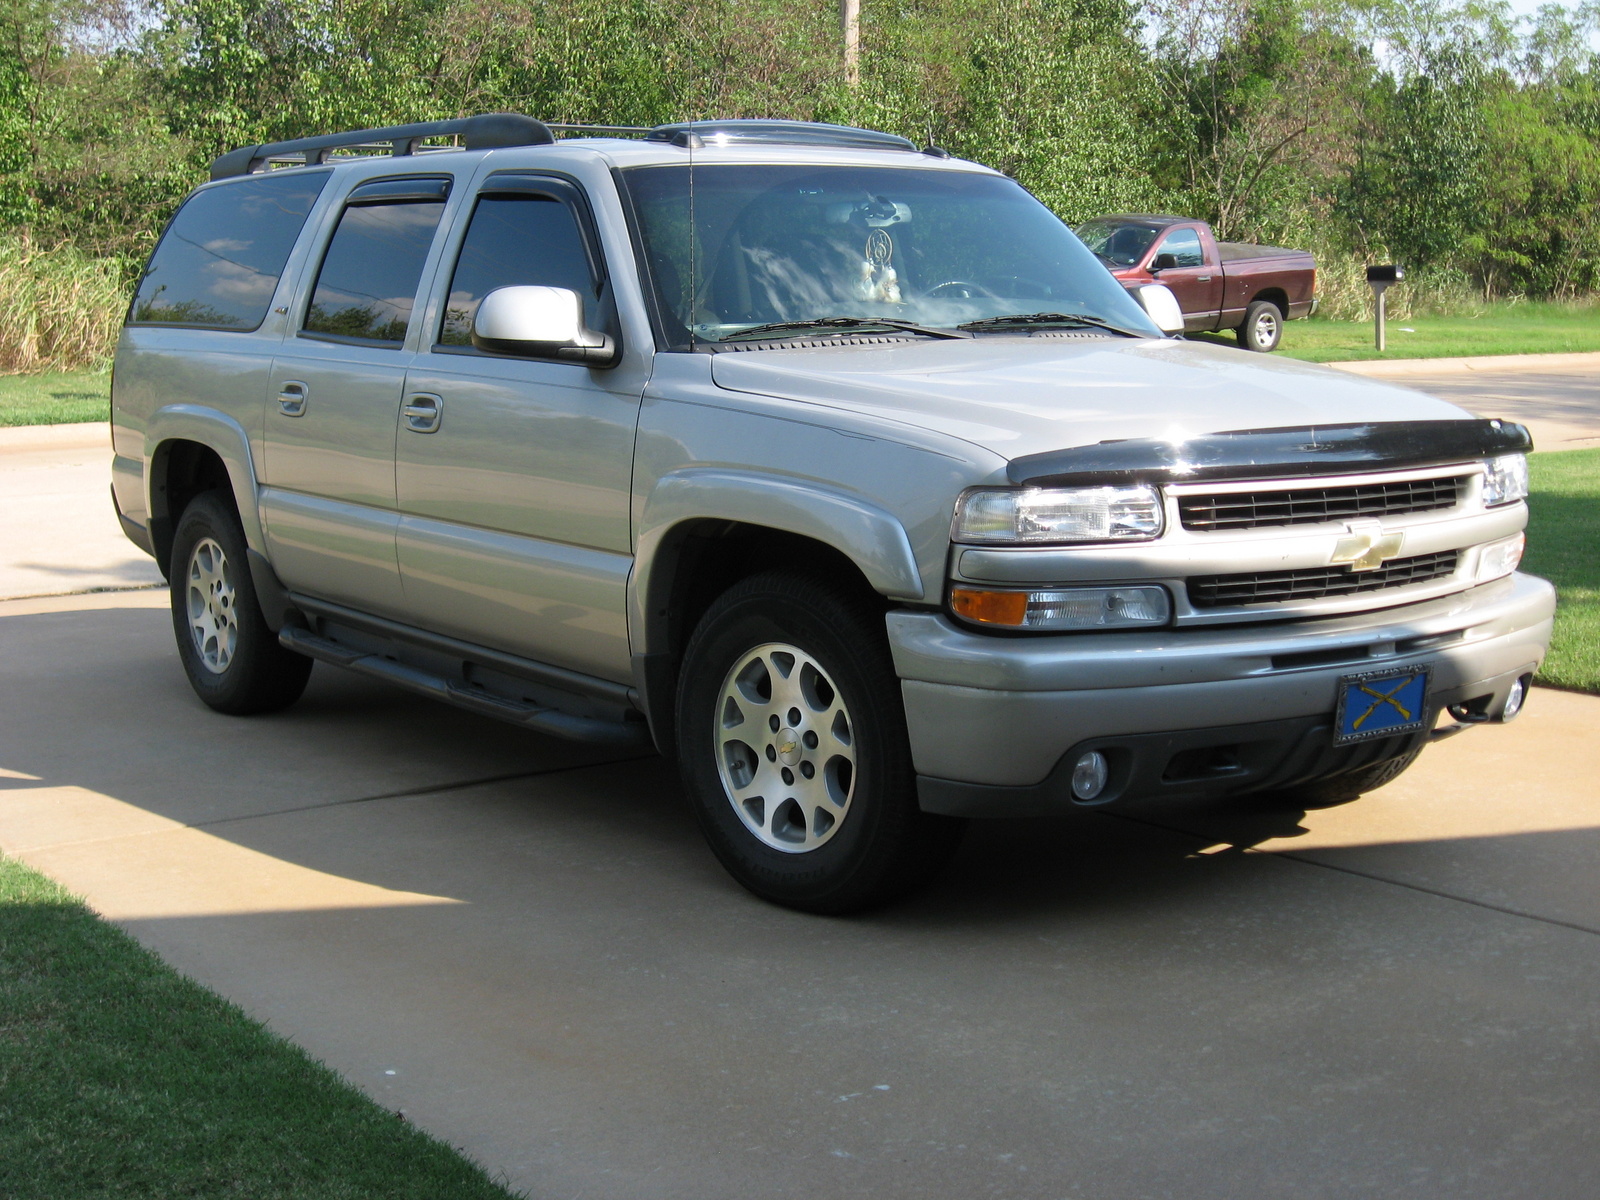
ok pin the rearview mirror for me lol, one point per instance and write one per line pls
(542, 322)
(1160, 305)
(1164, 262)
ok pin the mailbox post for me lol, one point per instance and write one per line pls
(1378, 279)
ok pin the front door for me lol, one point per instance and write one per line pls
(1197, 284)
(513, 474)
(328, 503)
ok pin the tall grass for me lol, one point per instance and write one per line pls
(1345, 296)
(60, 308)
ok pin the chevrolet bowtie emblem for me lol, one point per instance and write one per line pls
(1367, 547)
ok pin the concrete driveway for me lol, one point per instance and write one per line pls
(1557, 396)
(530, 952)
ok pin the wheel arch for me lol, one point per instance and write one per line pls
(196, 449)
(703, 531)
(1274, 296)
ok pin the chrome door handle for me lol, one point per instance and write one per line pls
(292, 398)
(1203, 278)
(423, 412)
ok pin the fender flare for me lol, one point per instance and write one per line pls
(220, 433)
(869, 536)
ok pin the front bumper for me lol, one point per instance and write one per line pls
(992, 718)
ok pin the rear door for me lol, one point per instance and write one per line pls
(1196, 282)
(329, 500)
(514, 474)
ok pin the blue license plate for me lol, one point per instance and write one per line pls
(1381, 704)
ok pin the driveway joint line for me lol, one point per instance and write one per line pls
(1303, 860)
(409, 793)
(94, 591)
(282, 812)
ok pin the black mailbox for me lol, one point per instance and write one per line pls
(1388, 273)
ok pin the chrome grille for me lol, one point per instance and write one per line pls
(1315, 583)
(1306, 506)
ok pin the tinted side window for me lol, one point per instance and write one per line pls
(368, 282)
(516, 240)
(219, 261)
(1184, 245)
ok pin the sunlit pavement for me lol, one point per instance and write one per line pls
(531, 953)
(1557, 396)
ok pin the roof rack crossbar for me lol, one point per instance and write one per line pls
(486, 131)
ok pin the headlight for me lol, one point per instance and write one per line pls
(1499, 559)
(1034, 515)
(1505, 479)
(1063, 608)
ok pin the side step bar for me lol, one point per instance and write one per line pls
(552, 721)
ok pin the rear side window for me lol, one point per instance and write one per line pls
(367, 286)
(218, 263)
(517, 240)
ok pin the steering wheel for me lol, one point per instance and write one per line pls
(972, 289)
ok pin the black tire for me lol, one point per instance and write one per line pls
(233, 660)
(1262, 327)
(856, 779)
(1342, 789)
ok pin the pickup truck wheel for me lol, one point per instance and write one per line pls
(232, 658)
(792, 744)
(1262, 328)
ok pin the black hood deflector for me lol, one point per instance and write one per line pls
(1288, 453)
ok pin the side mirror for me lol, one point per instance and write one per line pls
(543, 322)
(1164, 262)
(1160, 305)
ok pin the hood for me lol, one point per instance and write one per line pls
(1019, 396)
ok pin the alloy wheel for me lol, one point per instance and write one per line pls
(785, 748)
(213, 624)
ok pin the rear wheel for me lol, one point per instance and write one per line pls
(1262, 327)
(792, 744)
(232, 657)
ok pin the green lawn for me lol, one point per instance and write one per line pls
(119, 1077)
(1503, 329)
(1564, 547)
(55, 398)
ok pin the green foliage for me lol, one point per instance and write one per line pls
(1439, 133)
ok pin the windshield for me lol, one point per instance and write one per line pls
(800, 243)
(1120, 243)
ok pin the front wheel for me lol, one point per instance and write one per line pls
(232, 657)
(792, 744)
(1262, 328)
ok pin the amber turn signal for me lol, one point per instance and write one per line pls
(990, 608)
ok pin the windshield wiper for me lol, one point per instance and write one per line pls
(1023, 320)
(797, 327)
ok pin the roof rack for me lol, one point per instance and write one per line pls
(694, 134)
(487, 131)
(569, 128)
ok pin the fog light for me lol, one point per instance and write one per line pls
(1089, 775)
(1513, 705)
(1499, 559)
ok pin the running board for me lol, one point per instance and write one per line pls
(552, 721)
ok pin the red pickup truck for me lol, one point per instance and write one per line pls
(1220, 285)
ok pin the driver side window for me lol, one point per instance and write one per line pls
(1183, 245)
(518, 238)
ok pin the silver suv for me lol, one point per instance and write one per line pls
(837, 468)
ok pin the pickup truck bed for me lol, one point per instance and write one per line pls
(1219, 285)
